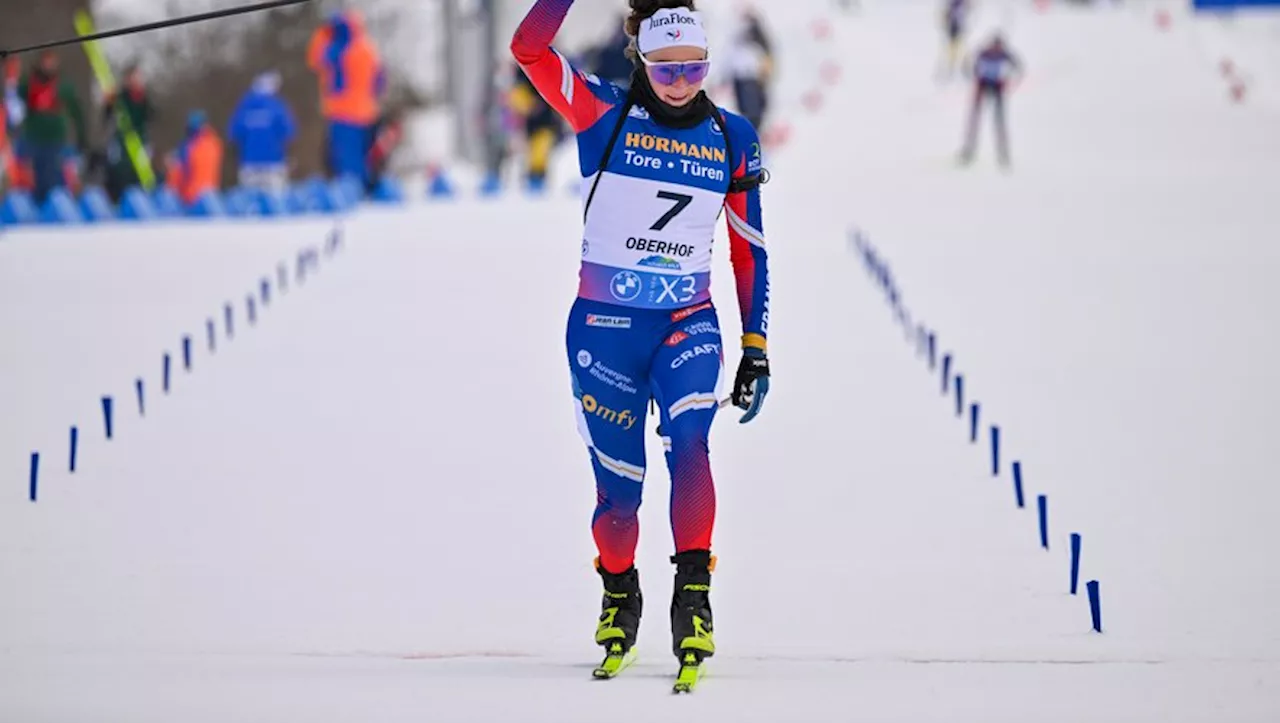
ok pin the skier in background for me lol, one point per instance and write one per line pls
(996, 71)
(751, 66)
(195, 168)
(51, 105)
(660, 164)
(955, 16)
(262, 127)
(135, 101)
(352, 82)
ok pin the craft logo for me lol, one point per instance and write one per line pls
(697, 351)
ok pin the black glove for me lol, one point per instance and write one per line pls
(752, 383)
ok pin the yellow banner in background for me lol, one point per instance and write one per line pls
(102, 70)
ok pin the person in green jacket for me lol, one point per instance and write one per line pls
(50, 103)
(134, 100)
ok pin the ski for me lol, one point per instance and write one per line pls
(690, 674)
(615, 661)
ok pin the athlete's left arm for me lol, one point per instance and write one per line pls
(746, 236)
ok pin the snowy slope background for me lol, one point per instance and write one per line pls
(372, 504)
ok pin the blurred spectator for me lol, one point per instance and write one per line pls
(954, 19)
(609, 60)
(751, 66)
(133, 99)
(542, 128)
(352, 82)
(195, 168)
(14, 110)
(49, 102)
(387, 136)
(994, 71)
(262, 128)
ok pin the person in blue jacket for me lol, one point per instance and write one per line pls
(262, 128)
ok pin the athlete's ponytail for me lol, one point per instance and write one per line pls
(642, 10)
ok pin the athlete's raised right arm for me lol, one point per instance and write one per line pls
(557, 82)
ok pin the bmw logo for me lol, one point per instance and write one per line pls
(625, 286)
(584, 358)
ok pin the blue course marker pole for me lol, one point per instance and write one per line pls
(75, 444)
(946, 373)
(229, 316)
(264, 291)
(251, 309)
(166, 367)
(973, 423)
(1075, 562)
(1017, 484)
(933, 351)
(186, 352)
(1095, 604)
(34, 491)
(1043, 503)
(106, 414)
(211, 331)
(995, 451)
(142, 402)
(959, 395)
(282, 277)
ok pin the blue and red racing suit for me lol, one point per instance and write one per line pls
(643, 325)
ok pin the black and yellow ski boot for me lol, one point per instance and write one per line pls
(691, 628)
(619, 620)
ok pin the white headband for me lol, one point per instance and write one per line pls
(670, 28)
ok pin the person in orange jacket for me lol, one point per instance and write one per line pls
(352, 81)
(196, 167)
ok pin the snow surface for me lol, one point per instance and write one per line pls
(373, 504)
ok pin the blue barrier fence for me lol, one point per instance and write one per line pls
(313, 196)
(953, 383)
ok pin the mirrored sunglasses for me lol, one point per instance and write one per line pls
(667, 73)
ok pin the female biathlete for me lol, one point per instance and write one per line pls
(659, 163)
